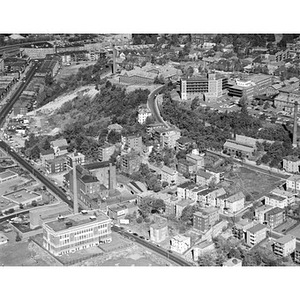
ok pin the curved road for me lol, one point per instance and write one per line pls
(152, 105)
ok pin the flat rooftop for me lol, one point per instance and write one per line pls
(285, 239)
(7, 174)
(77, 220)
(20, 196)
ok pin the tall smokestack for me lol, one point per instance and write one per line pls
(75, 196)
(295, 124)
(114, 68)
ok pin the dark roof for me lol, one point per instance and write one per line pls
(185, 184)
(89, 178)
(274, 211)
(47, 152)
(97, 165)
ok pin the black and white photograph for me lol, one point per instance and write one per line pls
(154, 154)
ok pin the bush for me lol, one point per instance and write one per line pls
(139, 220)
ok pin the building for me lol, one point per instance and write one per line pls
(233, 203)
(56, 165)
(234, 148)
(204, 178)
(180, 206)
(209, 197)
(8, 175)
(240, 227)
(106, 151)
(256, 234)
(233, 262)
(46, 155)
(167, 137)
(76, 232)
(59, 147)
(180, 243)
(130, 163)
(116, 127)
(186, 167)
(132, 143)
(260, 213)
(285, 245)
(293, 184)
(159, 231)
(105, 172)
(183, 143)
(119, 211)
(204, 219)
(291, 164)
(201, 249)
(196, 159)
(169, 175)
(277, 200)
(274, 217)
(79, 158)
(209, 85)
(143, 113)
(38, 215)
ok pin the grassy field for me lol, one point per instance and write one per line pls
(250, 182)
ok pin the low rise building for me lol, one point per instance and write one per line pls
(209, 197)
(183, 143)
(196, 159)
(291, 164)
(275, 217)
(204, 177)
(79, 158)
(7, 175)
(180, 206)
(277, 200)
(143, 113)
(256, 234)
(159, 232)
(231, 204)
(293, 184)
(180, 243)
(76, 232)
(285, 245)
(106, 151)
(59, 147)
(46, 155)
(167, 136)
(234, 148)
(201, 249)
(204, 219)
(132, 143)
(56, 165)
(169, 175)
(186, 167)
(130, 163)
(239, 228)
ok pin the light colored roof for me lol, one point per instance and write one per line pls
(181, 238)
(235, 145)
(285, 239)
(236, 197)
(168, 170)
(59, 143)
(256, 228)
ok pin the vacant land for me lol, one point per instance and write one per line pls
(250, 182)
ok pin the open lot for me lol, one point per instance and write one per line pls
(250, 182)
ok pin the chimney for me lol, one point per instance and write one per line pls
(295, 124)
(75, 196)
(114, 67)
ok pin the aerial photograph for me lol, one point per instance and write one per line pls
(149, 150)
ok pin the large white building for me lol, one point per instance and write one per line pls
(77, 231)
(143, 113)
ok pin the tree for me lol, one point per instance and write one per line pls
(114, 137)
(34, 203)
(18, 237)
(243, 102)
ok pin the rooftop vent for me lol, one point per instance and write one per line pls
(93, 218)
(84, 212)
(60, 217)
(69, 224)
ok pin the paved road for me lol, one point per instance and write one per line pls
(152, 104)
(170, 256)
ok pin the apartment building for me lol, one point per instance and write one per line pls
(274, 217)
(183, 143)
(76, 232)
(231, 204)
(285, 245)
(204, 219)
(167, 137)
(293, 184)
(240, 227)
(197, 159)
(180, 243)
(132, 143)
(256, 234)
(56, 165)
(130, 163)
(279, 198)
(260, 213)
(204, 178)
(186, 167)
(209, 85)
(209, 197)
(79, 159)
(106, 151)
(291, 164)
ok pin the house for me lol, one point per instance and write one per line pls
(204, 219)
(159, 231)
(202, 248)
(233, 262)
(285, 245)
(277, 199)
(116, 127)
(233, 203)
(143, 113)
(256, 234)
(181, 189)
(180, 243)
(169, 175)
(208, 197)
(46, 155)
(234, 148)
(204, 178)
(59, 147)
